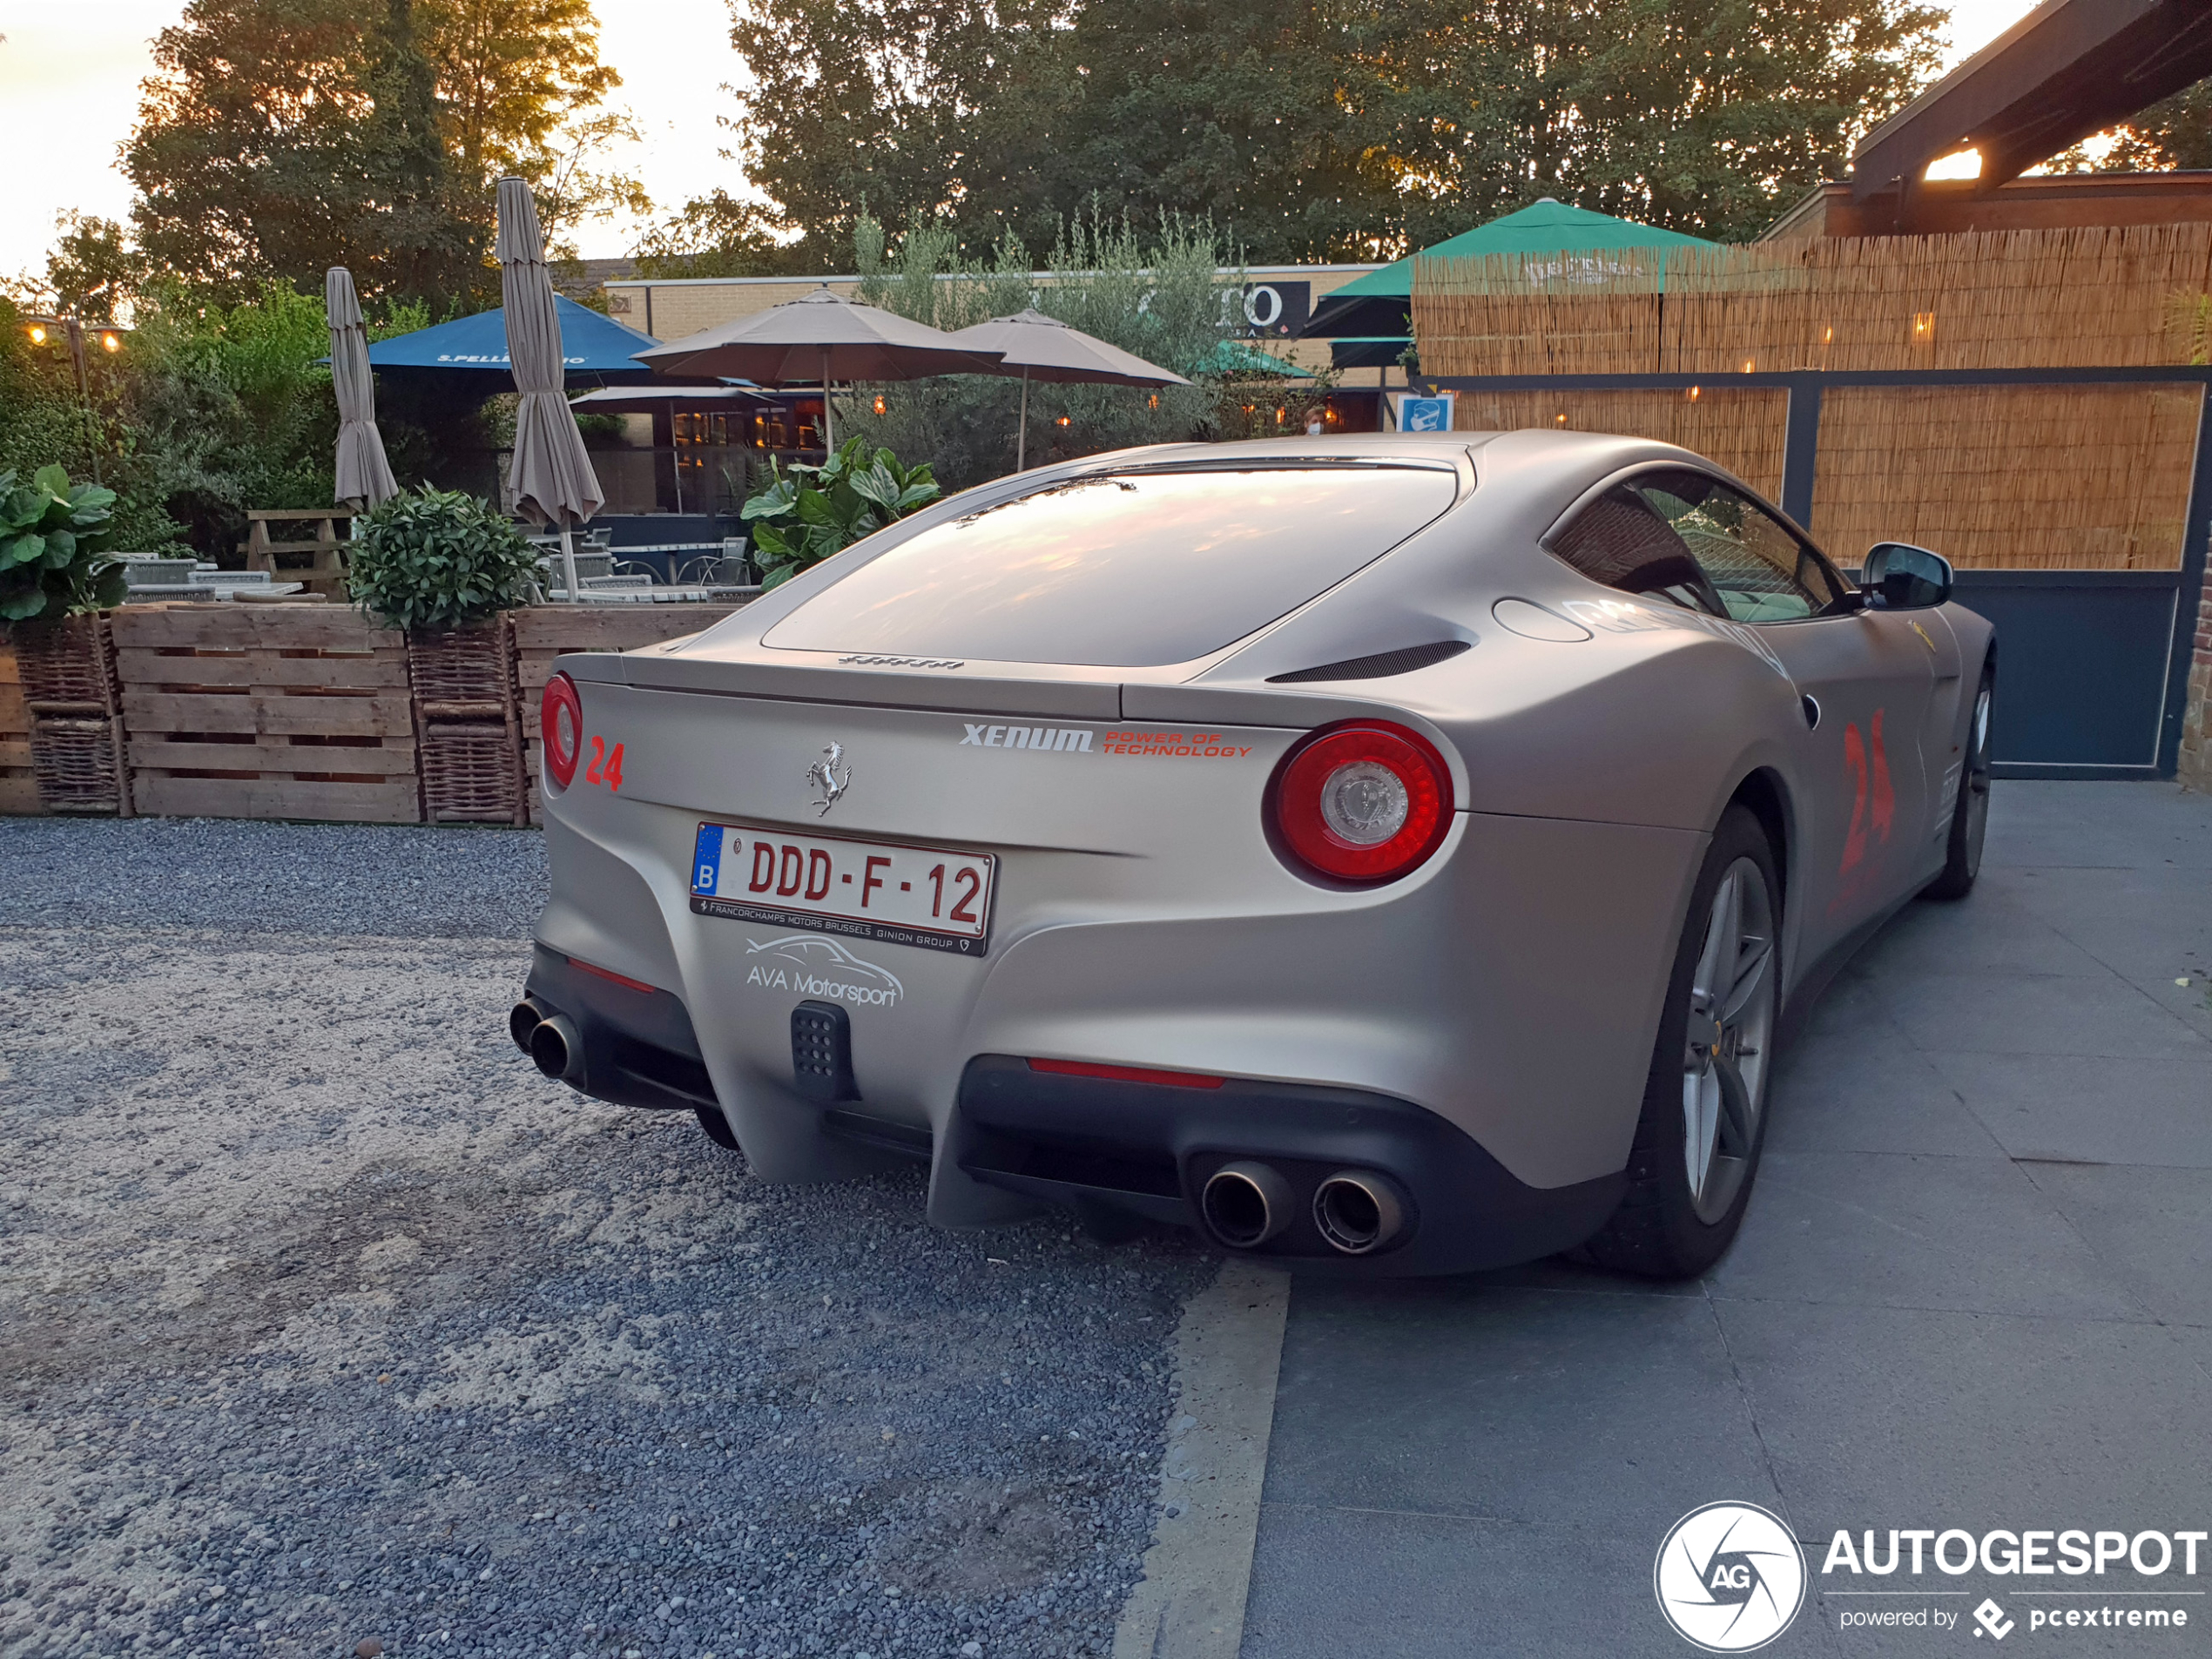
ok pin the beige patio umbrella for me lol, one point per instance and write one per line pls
(364, 473)
(1045, 348)
(550, 478)
(815, 339)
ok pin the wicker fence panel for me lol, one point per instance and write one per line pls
(468, 736)
(1742, 429)
(67, 677)
(268, 711)
(2014, 478)
(2097, 297)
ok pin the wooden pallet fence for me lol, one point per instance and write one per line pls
(67, 678)
(468, 736)
(18, 788)
(272, 711)
(542, 633)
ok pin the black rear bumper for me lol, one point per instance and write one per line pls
(1149, 1149)
(639, 1048)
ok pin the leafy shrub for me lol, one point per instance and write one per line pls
(436, 560)
(808, 513)
(53, 540)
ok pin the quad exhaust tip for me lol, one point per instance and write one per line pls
(1359, 1211)
(556, 1049)
(1245, 1204)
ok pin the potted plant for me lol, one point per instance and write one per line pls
(54, 578)
(808, 513)
(442, 566)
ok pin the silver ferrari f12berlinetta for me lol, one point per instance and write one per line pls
(1400, 852)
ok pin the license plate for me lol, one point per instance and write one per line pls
(875, 890)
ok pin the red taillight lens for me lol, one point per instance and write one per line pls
(1363, 802)
(560, 718)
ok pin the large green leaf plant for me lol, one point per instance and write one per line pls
(807, 513)
(53, 543)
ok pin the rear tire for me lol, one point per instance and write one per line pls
(1970, 817)
(1703, 1121)
(716, 1127)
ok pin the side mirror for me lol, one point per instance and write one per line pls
(1898, 577)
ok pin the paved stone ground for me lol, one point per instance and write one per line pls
(1974, 1290)
(323, 1317)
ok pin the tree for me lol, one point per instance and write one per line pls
(1325, 129)
(890, 105)
(716, 235)
(280, 136)
(520, 90)
(1159, 295)
(2173, 134)
(90, 270)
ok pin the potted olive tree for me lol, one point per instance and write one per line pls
(442, 567)
(55, 578)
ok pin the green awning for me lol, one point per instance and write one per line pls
(1235, 357)
(1378, 303)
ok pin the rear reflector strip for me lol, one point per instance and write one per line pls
(1127, 1073)
(583, 966)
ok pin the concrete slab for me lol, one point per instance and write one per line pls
(2038, 1014)
(1921, 1324)
(2064, 1109)
(1872, 1414)
(1576, 1410)
(2088, 826)
(1396, 1585)
(2152, 1229)
(1871, 1230)
(1853, 1082)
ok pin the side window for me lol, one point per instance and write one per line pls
(1760, 570)
(1621, 541)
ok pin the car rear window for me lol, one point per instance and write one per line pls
(1122, 569)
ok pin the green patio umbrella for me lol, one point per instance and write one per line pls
(1377, 305)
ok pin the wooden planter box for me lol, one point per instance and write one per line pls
(66, 680)
(267, 712)
(544, 632)
(18, 788)
(469, 738)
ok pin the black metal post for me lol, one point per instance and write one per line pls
(1801, 449)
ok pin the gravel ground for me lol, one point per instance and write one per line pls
(326, 1319)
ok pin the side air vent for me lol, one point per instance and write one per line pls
(1380, 666)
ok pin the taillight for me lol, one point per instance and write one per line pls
(1364, 802)
(560, 718)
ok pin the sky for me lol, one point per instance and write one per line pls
(70, 75)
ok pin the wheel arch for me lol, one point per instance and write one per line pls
(1764, 794)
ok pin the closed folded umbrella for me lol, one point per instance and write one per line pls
(364, 473)
(1041, 348)
(550, 478)
(818, 338)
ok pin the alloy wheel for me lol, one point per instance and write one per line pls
(1729, 1030)
(1976, 783)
